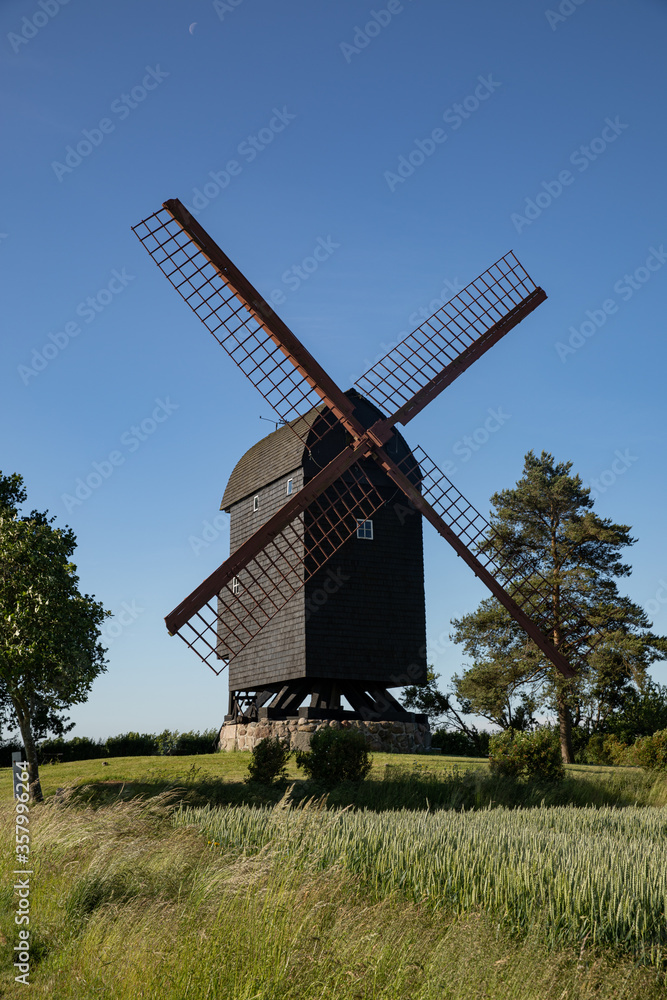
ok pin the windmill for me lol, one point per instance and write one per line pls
(223, 615)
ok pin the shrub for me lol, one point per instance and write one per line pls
(534, 755)
(165, 742)
(505, 756)
(542, 754)
(177, 744)
(126, 745)
(192, 743)
(269, 761)
(618, 753)
(78, 748)
(643, 713)
(132, 745)
(7, 748)
(335, 755)
(459, 744)
(595, 752)
(580, 740)
(651, 751)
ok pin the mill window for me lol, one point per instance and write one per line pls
(365, 529)
(255, 503)
(235, 585)
(290, 484)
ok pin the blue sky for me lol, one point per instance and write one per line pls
(560, 157)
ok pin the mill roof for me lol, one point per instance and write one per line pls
(270, 459)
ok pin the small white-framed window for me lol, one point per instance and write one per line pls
(290, 487)
(255, 502)
(235, 585)
(365, 529)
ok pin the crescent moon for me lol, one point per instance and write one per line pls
(192, 27)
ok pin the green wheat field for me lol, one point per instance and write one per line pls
(170, 878)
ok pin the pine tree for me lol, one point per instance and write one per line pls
(546, 523)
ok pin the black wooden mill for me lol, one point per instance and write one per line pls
(328, 503)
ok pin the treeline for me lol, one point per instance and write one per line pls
(454, 743)
(166, 743)
(646, 751)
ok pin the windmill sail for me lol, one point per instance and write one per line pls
(229, 609)
(233, 311)
(432, 356)
(517, 584)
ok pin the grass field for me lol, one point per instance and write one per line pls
(396, 781)
(254, 900)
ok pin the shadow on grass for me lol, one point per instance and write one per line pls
(205, 791)
(399, 788)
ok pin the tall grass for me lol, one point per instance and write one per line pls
(419, 786)
(597, 875)
(127, 905)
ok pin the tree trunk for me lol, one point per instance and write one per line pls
(34, 785)
(565, 728)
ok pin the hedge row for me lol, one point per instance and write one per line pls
(457, 744)
(647, 751)
(127, 745)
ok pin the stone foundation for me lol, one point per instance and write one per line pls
(388, 737)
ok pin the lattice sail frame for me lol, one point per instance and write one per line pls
(236, 323)
(223, 627)
(441, 339)
(519, 579)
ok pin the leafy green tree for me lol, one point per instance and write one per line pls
(643, 713)
(427, 698)
(441, 709)
(49, 649)
(546, 526)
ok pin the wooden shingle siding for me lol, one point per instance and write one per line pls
(365, 610)
(362, 616)
(268, 460)
(279, 650)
